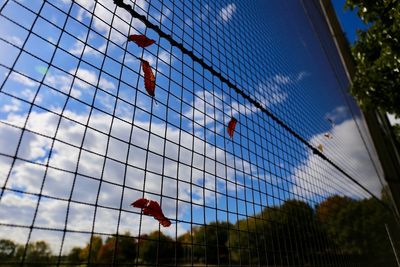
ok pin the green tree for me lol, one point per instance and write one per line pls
(7, 250)
(37, 253)
(184, 246)
(396, 131)
(74, 255)
(211, 243)
(377, 55)
(294, 226)
(281, 235)
(244, 241)
(357, 228)
(156, 247)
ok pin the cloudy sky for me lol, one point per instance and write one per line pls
(80, 139)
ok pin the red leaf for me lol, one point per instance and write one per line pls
(141, 40)
(149, 79)
(165, 222)
(140, 203)
(152, 208)
(231, 127)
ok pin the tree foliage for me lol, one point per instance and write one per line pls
(357, 228)
(377, 55)
(396, 131)
(91, 250)
(7, 249)
(211, 243)
(156, 247)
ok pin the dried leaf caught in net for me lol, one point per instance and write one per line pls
(140, 203)
(141, 40)
(149, 79)
(152, 208)
(231, 127)
(320, 148)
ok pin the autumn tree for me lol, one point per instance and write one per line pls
(125, 249)
(376, 81)
(92, 249)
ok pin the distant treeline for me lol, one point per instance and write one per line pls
(339, 231)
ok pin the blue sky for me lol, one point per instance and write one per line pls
(348, 19)
(89, 101)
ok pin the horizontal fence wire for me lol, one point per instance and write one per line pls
(97, 172)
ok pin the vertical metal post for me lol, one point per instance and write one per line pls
(391, 243)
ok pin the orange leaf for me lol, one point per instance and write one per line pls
(141, 40)
(149, 79)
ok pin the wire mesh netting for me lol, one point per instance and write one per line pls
(248, 150)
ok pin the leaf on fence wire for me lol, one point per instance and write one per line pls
(140, 203)
(152, 208)
(328, 135)
(231, 127)
(320, 148)
(149, 79)
(141, 40)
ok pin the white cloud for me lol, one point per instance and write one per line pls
(348, 151)
(89, 78)
(227, 12)
(208, 108)
(59, 80)
(272, 92)
(78, 48)
(14, 106)
(301, 75)
(104, 9)
(23, 79)
(14, 40)
(281, 79)
(339, 114)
